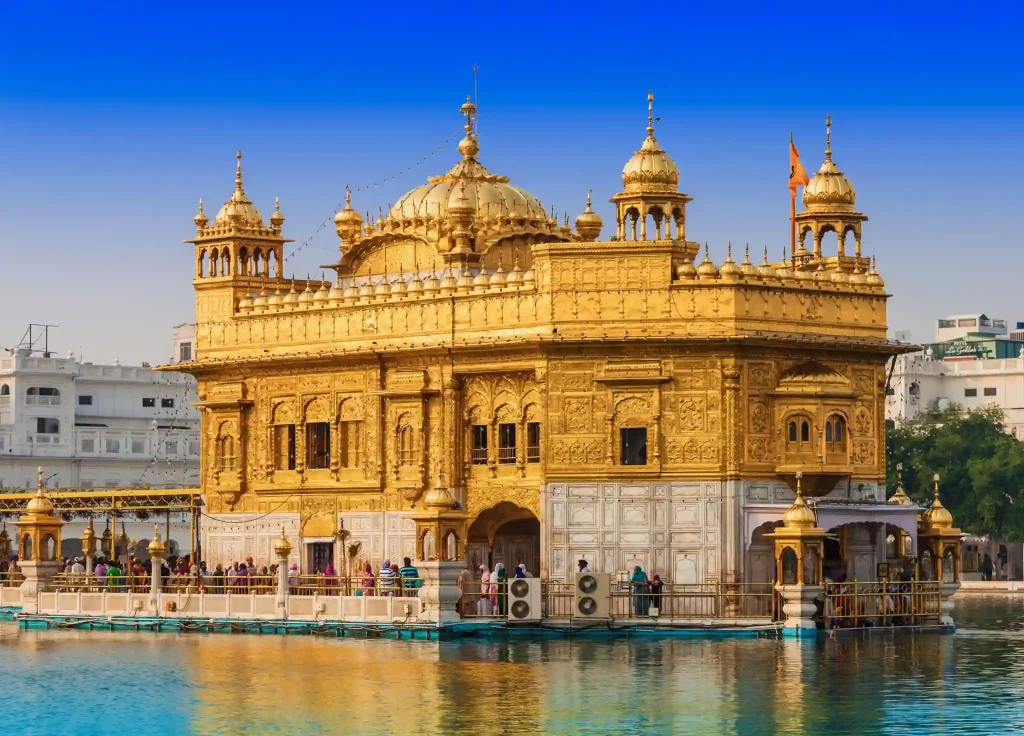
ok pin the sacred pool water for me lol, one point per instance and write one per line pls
(65, 682)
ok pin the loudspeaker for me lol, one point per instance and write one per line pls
(593, 595)
(524, 599)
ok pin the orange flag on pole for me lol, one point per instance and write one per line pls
(797, 175)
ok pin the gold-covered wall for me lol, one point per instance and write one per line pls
(413, 402)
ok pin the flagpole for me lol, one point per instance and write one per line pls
(792, 212)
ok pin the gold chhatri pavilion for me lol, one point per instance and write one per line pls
(481, 382)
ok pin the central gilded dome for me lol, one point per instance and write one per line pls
(238, 210)
(490, 196)
(829, 190)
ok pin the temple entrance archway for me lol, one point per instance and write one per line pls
(504, 533)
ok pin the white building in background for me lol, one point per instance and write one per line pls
(184, 339)
(975, 362)
(95, 426)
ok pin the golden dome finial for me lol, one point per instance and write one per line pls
(277, 219)
(937, 516)
(238, 171)
(348, 197)
(589, 223)
(39, 485)
(589, 193)
(468, 146)
(650, 114)
(828, 137)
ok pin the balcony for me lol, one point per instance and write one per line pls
(44, 439)
(33, 400)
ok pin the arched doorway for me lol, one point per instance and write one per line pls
(504, 533)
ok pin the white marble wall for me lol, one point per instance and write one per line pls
(229, 538)
(383, 534)
(671, 529)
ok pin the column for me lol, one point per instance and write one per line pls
(156, 556)
(283, 548)
(440, 592)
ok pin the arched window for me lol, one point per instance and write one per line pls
(226, 453)
(427, 546)
(789, 566)
(798, 434)
(451, 546)
(5, 390)
(835, 434)
(406, 447)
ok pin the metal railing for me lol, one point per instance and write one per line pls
(11, 579)
(882, 603)
(640, 601)
(260, 584)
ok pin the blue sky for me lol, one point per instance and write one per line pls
(115, 119)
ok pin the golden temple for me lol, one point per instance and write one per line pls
(482, 382)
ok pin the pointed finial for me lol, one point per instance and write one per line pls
(39, 487)
(766, 255)
(707, 255)
(200, 205)
(746, 254)
(935, 478)
(348, 197)
(277, 205)
(828, 136)
(238, 171)
(799, 485)
(728, 252)
(650, 114)
(589, 192)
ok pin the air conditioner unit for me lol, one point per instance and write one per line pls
(593, 595)
(524, 599)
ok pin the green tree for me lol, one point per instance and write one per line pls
(981, 467)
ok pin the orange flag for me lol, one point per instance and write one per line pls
(797, 175)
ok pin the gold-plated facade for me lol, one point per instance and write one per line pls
(474, 354)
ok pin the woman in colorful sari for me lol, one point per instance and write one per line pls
(639, 585)
(368, 580)
(499, 589)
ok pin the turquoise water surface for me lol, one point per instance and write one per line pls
(82, 683)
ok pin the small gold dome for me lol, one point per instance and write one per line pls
(685, 271)
(201, 220)
(829, 190)
(707, 270)
(729, 271)
(804, 275)
(784, 272)
(156, 547)
(238, 210)
(872, 278)
(277, 219)
(765, 269)
(589, 223)
(39, 505)
(292, 297)
(282, 547)
(799, 515)
(937, 516)
(307, 294)
(820, 274)
(857, 278)
(748, 269)
(650, 169)
(439, 497)
(839, 276)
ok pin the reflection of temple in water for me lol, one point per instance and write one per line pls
(483, 382)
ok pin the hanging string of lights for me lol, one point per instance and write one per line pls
(368, 186)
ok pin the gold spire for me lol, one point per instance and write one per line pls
(650, 114)
(201, 220)
(238, 210)
(729, 268)
(900, 496)
(277, 219)
(828, 137)
(468, 146)
(238, 172)
(937, 516)
(707, 269)
(747, 268)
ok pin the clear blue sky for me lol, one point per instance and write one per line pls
(116, 118)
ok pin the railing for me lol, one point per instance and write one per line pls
(11, 579)
(882, 603)
(260, 584)
(640, 601)
(42, 400)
